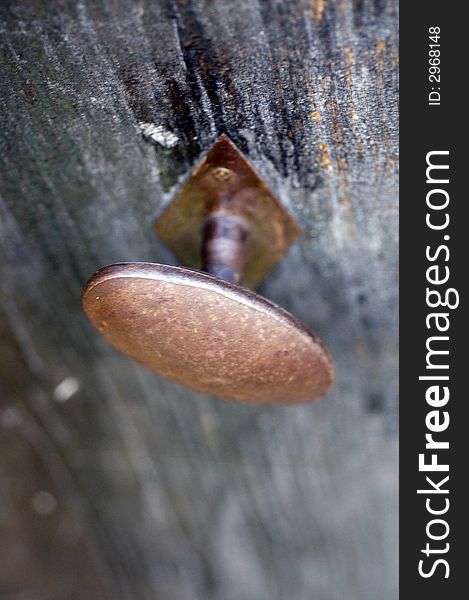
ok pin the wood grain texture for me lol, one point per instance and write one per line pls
(115, 483)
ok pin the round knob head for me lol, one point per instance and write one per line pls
(208, 334)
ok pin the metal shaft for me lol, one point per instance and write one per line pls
(224, 238)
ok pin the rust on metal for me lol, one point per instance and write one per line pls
(226, 184)
(208, 334)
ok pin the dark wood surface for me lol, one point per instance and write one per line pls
(115, 483)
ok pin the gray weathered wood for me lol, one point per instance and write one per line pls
(116, 484)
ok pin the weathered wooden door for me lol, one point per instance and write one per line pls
(115, 483)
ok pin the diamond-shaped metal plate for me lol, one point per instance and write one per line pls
(225, 182)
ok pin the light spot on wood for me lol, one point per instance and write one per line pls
(158, 135)
(66, 389)
(11, 417)
(44, 503)
(209, 426)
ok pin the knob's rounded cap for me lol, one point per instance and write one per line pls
(208, 334)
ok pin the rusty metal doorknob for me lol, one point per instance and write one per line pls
(203, 329)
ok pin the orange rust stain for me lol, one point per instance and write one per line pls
(380, 47)
(317, 9)
(342, 164)
(349, 62)
(337, 135)
(379, 54)
(202, 66)
(315, 116)
(224, 69)
(349, 57)
(336, 131)
(323, 156)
